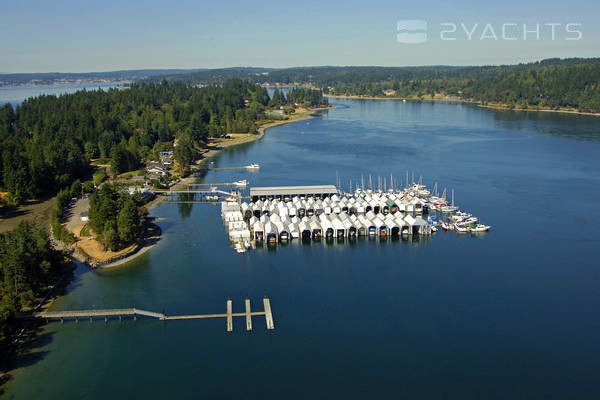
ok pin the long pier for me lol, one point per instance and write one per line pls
(136, 312)
(223, 168)
(215, 184)
(195, 191)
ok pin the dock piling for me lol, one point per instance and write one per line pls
(248, 315)
(229, 316)
(268, 314)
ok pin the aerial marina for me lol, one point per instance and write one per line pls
(282, 213)
(246, 201)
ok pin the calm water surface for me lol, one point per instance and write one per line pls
(510, 314)
(15, 95)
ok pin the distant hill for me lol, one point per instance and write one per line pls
(51, 78)
(214, 76)
(571, 84)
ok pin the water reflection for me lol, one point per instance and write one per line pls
(185, 204)
(572, 126)
(352, 242)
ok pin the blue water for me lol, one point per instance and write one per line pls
(16, 94)
(510, 314)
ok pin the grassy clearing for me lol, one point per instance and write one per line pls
(38, 210)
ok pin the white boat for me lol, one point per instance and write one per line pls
(239, 247)
(479, 228)
(241, 183)
(446, 226)
(461, 228)
(253, 166)
(448, 209)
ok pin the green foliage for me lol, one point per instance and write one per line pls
(99, 177)
(277, 100)
(59, 231)
(129, 223)
(116, 217)
(88, 187)
(62, 200)
(48, 141)
(554, 84)
(184, 152)
(551, 83)
(306, 97)
(28, 264)
(76, 188)
(91, 150)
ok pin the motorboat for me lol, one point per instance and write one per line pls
(253, 166)
(241, 183)
(479, 228)
(239, 247)
(461, 228)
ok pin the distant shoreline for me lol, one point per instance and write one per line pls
(458, 100)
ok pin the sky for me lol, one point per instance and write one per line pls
(90, 35)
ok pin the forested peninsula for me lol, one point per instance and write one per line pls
(555, 84)
(48, 141)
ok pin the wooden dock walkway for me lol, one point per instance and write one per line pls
(248, 316)
(216, 184)
(268, 314)
(135, 312)
(229, 316)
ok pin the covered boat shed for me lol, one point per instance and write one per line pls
(288, 192)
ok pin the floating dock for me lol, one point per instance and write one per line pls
(282, 192)
(135, 312)
(282, 213)
(249, 316)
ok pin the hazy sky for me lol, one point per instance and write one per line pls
(89, 35)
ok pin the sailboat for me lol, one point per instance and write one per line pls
(452, 208)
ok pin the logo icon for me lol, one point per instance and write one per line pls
(411, 31)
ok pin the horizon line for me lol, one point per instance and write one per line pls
(201, 69)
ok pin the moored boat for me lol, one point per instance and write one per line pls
(476, 228)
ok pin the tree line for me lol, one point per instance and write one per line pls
(552, 83)
(298, 96)
(48, 141)
(28, 265)
(116, 217)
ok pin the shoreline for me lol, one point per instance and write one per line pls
(189, 179)
(152, 235)
(458, 100)
(207, 155)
